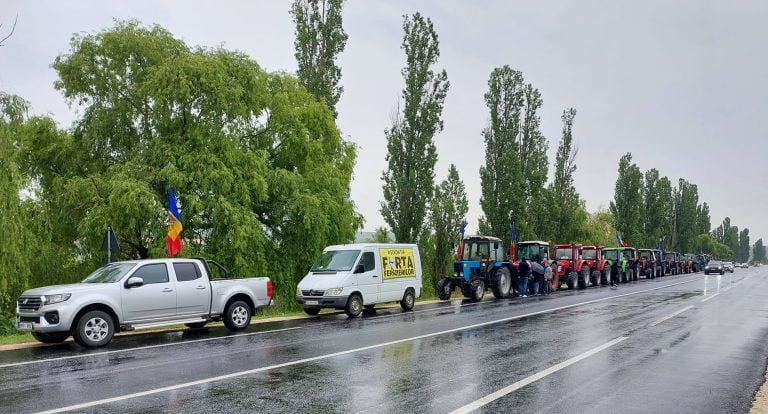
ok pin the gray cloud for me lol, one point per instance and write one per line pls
(682, 85)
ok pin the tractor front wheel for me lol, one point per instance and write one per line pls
(477, 289)
(584, 278)
(444, 289)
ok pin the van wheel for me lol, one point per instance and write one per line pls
(312, 311)
(94, 329)
(196, 325)
(408, 300)
(51, 337)
(237, 316)
(354, 306)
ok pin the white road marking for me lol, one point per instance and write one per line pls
(335, 354)
(671, 315)
(474, 405)
(706, 299)
(138, 348)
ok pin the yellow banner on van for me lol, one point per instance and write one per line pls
(397, 263)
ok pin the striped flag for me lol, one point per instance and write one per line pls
(173, 239)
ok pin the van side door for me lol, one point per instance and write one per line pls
(368, 277)
(193, 291)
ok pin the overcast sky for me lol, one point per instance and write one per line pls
(680, 84)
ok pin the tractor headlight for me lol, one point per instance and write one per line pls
(333, 291)
(457, 274)
(51, 299)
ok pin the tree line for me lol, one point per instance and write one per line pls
(262, 170)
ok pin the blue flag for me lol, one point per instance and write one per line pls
(513, 231)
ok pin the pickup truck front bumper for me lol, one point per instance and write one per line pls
(48, 318)
(335, 302)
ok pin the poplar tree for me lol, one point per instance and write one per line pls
(627, 205)
(758, 252)
(448, 210)
(320, 38)
(566, 199)
(408, 181)
(743, 255)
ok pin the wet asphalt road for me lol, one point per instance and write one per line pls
(674, 344)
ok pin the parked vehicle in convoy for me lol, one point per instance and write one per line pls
(671, 263)
(629, 266)
(728, 266)
(123, 296)
(532, 251)
(354, 277)
(481, 266)
(600, 269)
(690, 264)
(649, 265)
(571, 266)
(714, 266)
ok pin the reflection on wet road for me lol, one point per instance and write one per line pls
(689, 343)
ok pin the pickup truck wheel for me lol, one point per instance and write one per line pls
(51, 337)
(94, 329)
(354, 306)
(196, 325)
(312, 311)
(408, 300)
(237, 316)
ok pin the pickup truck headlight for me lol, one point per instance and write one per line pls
(298, 291)
(51, 299)
(333, 291)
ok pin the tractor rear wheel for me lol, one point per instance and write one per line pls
(605, 279)
(444, 289)
(571, 280)
(584, 278)
(477, 288)
(502, 280)
(595, 279)
(465, 291)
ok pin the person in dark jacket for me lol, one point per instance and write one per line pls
(524, 271)
(615, 273)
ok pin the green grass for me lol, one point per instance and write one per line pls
(11, 336)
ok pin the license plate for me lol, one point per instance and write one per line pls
(311, 302)
(27, 326)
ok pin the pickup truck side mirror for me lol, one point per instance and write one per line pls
(134, 282)
(360, 268)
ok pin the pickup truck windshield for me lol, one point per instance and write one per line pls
(335, 261)
(109, 273)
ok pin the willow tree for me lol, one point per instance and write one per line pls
(257, 162)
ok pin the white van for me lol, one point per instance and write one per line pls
(357, 276)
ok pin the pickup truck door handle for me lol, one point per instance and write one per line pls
(375, 276)
(200, 287)
(167, 290)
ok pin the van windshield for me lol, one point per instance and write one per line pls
(335, 261)
(109, 273)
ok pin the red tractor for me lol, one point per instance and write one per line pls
(649, 265)
(600, 269)
(571, 267)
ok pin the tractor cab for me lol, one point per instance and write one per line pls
(531, 250)
(479, 255)
(479, 266)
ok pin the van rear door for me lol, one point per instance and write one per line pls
(368, 277)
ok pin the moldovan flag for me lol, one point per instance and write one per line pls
(173, 239)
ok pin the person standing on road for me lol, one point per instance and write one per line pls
(547, 276)
(525, 272)
(615, 273)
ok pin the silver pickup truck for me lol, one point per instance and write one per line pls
(124, 296)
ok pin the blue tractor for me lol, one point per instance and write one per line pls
(481, 266)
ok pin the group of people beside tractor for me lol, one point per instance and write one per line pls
(530, 268)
